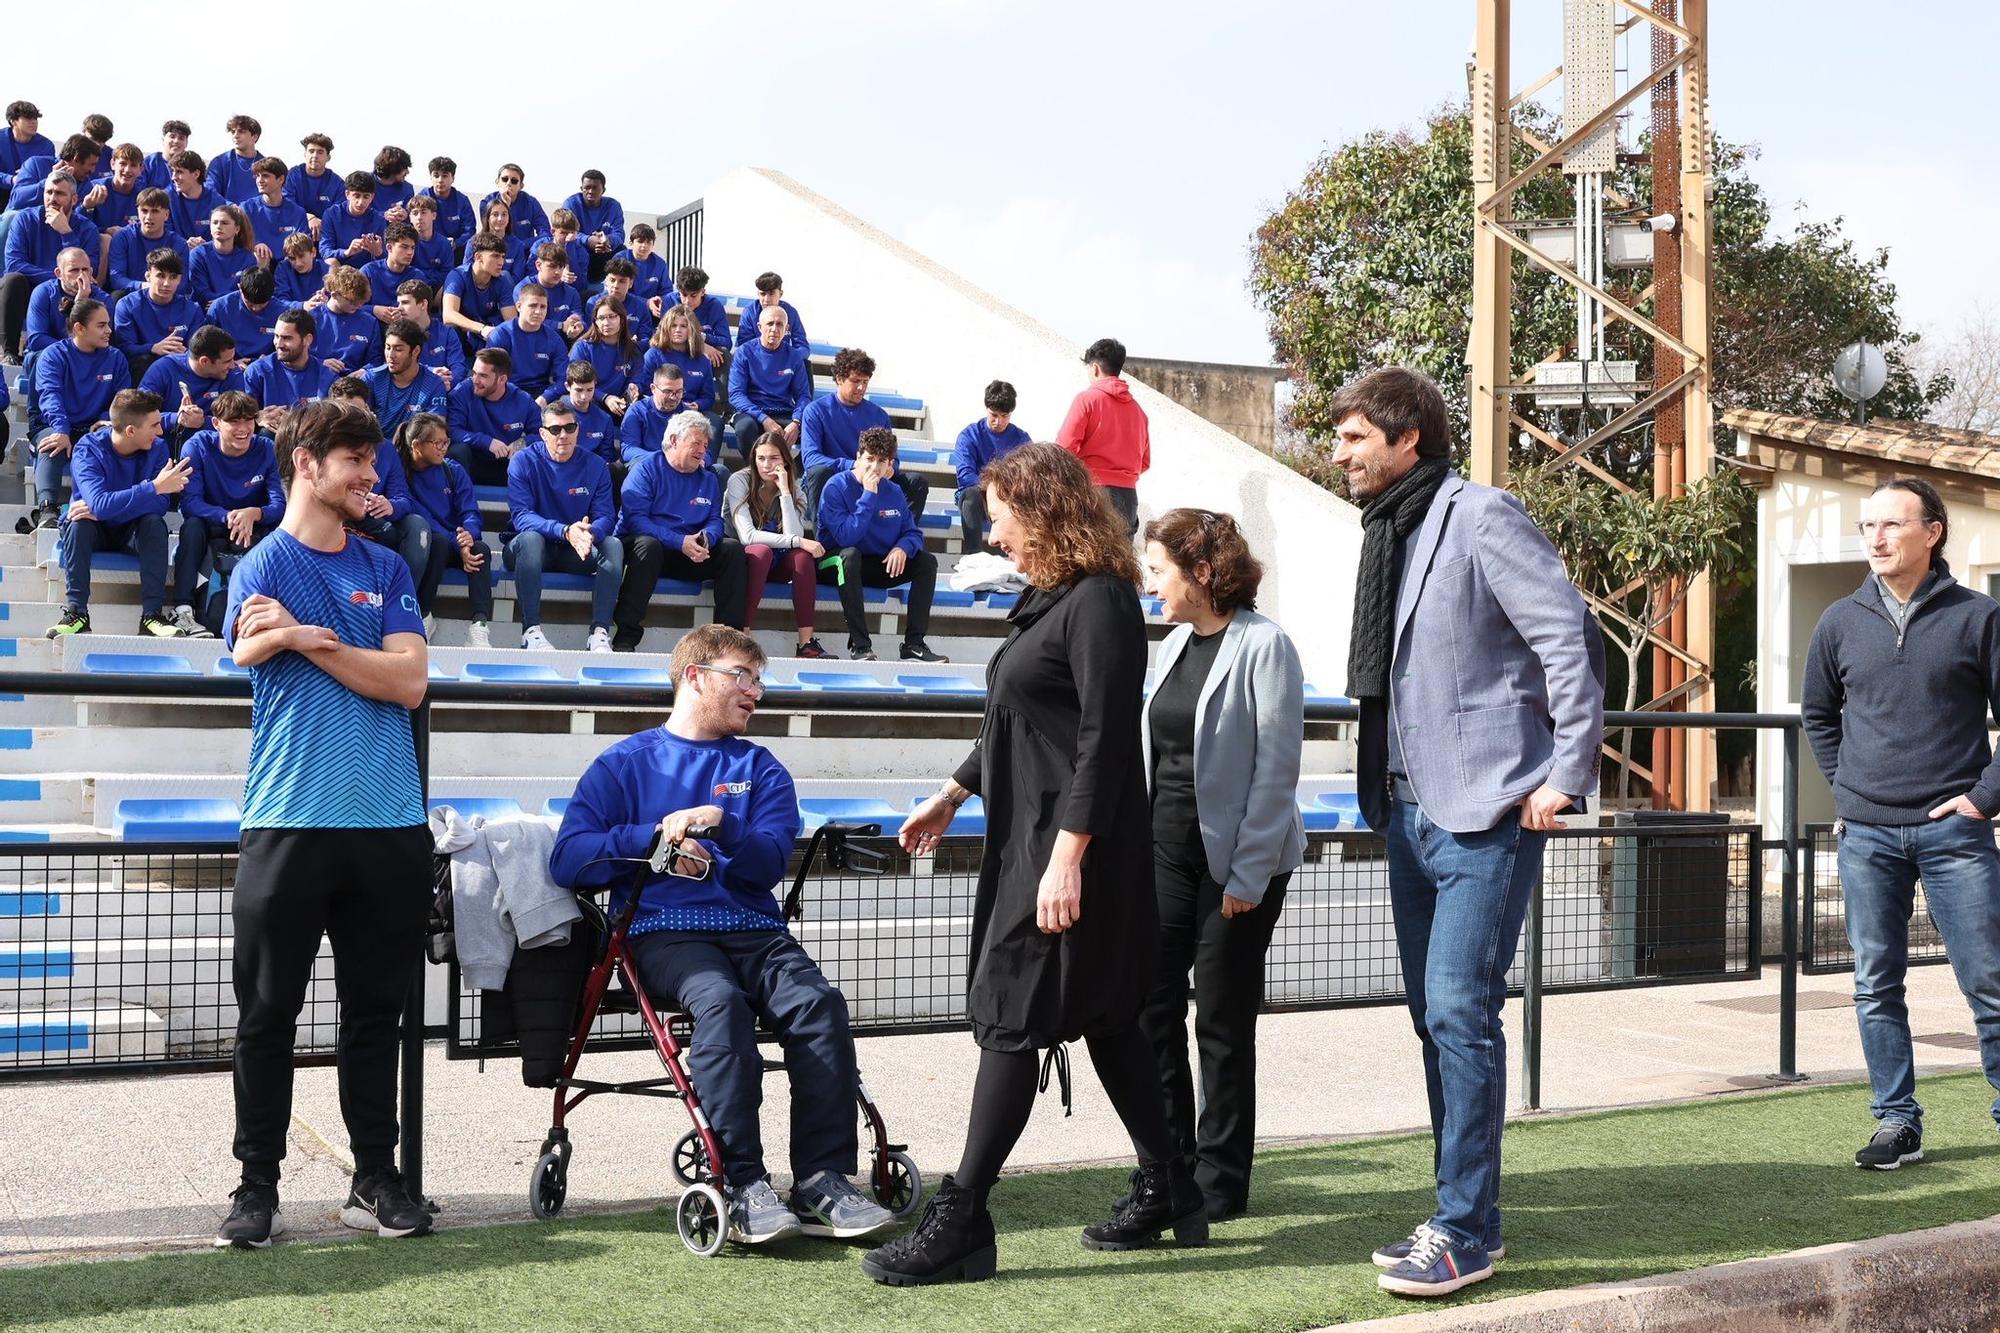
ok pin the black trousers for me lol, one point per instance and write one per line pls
(869, 571)
(1227, 957)
(647, 557)
(1125, 500)
(15, 289)
(369, 892)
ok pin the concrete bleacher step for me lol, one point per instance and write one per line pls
(80, 1035)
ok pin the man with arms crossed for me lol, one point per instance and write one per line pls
(1900, 682)
(334, 840)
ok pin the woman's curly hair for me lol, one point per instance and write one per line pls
(1071, 528)
(1191, 537)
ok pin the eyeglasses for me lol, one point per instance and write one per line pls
(1889, 527)
(746, 680)
(510, 180)
(559, 427)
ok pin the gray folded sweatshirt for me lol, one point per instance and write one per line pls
(502, 896)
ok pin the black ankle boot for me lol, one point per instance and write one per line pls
(953, 1240)
(1163, 1198)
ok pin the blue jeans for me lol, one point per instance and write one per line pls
(144, 537)
(727, 982)
(203, 545)
(1459, 900)
(410, 535)
(1960, 869)
(530, 553)
(48, 468)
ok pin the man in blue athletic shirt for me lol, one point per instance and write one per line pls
(157, 320)
(350, 232)
(444, 352)
(539, 352)
(691, 284)
(334, 841)
(249, 314)
(709, 937)
(977, 445)
(769, 381)
(190, 202)
(50, 304)
(289, 373)
(233, 175)
(78, 157)
(559, 500)
(75, 381)
(133, 244)
(403, 386)
(490, 419)
(188, 383)
(865, 516)
(525, 217)
(22, 141)
(274, 218)
(159, 172)
(126, 481)
(33, 242)
(600, 221)
(309, 184)
(771, 292)
(477, 299)
(565, 304)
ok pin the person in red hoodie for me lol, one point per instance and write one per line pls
(1106, 429)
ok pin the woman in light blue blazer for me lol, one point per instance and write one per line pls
(1223, 728)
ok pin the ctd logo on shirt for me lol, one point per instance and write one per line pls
(578, 490)
(360, 598)
(730, 788)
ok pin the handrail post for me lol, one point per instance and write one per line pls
(1531, 1006)
(1788, 977)
(413, 1006)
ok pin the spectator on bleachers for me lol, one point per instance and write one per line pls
(644, 429)
(390, 517)
(333, 838)
(678, 342)
(526, 220)
(767, 511)
(771, 292)
(831, 426)
(159, 172)
(350, 232)
(116, 193)
(600, 220)
(560, 502)
(769, 381)
(397, 266)
(233, 500)
(444, 351)
(24, 140)
(652, 280)
(250, 315)
(596, 429)
(566, 236)
(233, 175)
(350, 336)
(231, 249)
(403, 386)
(300, 277)
(489, 418)
(75, 381)
(274, 219)
(190, 203)
(434, 256)
(865, 517)
(456, 220)
(671, 520)
(33, 242)
(712, 940)
(49, 306)
(133, 244)
(979, 444)
(1106, 429)
(476, 298)
(565, 303)
(441, 494)
(79, 156)
(289, 373)
(609, 348)
(310, 184)
(393, 190)
(98, 127)
(691, 285)
(618, 278)
(188, 383)
(126, 481)
(539, 352)
(497, 222)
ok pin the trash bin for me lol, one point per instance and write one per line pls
(1669, 894)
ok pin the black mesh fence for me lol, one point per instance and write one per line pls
(1824, 947)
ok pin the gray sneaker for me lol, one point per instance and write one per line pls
(756, 1215)
(829, 1205)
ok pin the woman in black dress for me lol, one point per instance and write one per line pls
(1064, 923)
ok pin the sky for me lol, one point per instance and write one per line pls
(1102, 167)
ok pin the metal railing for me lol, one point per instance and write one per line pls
(1824, 948)
(679, 237)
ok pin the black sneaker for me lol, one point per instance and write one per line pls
(159, 627)
(916, 650)
(49, 516)
(1893, 1146)
(378, 1202)
(811, 648)
(71, 621)
(253, 1218)
(864, 653)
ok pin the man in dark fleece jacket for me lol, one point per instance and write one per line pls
(1900, 682)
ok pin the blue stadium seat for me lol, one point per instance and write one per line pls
(817, 810)
(555, 805)
(896, 400)
(846, 682)
(439, 673)
(1002, 601)
(138, 664)
(183, 819)
(1320, 819)
(1152, 606)
(489, 807)
(954, 597)
(942, 684)
(514, 671)
(1337, 800)
(823, 349)
(608, 675)
(1316, 695)
(937, 522)
(225, 665)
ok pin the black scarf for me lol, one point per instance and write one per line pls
(1385, 520)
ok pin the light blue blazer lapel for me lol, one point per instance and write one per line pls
(1170, 653)
(1225, 653)
(1425, 549)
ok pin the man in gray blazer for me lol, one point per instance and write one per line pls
(1480, 676)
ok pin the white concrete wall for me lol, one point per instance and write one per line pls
(936, 336)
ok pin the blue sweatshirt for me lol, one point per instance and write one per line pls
(394, 406)
(129, 248)
(769, 383)
(697, 376)
(229, 175)
(32, 244)
(631, 787)
(669, 505)
(391, 482)
(644, 431)
(713, 316)
(655, 278)
(977, 446)
(539, 357)
(315, 194)
(614, 368)
(443, 495)
(353, 339)
(795, 331)
(526, 219)
(252, 329)
(118, 207)
(434, 258)
(830, 430)
(118, 487)
(389, 196)
(274, 384)
(481, 305)
(218, 484)
(444, 350)
(48, 322)
(188, 216)
(564, 300)
(210, 273)
(474, 421)
(576, 255)
(872, 524)
(338, 228)
(75, 388)
(383, 280)
(456, 220)
(274, 226)
(608, 217)
(28, 181)
(597, 433)
(546, 496)
(291, 287)
(14, 153)
(165, 377)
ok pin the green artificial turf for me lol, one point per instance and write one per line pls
(1587, 1199)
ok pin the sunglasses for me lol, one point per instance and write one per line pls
(510, 180)
(560, 427)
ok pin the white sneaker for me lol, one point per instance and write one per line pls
(478, 635)
(185, 622)
(430, 626)
(599, 641)
(532, 637)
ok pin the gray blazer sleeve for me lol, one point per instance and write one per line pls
(1527, 578)
(1278, 695)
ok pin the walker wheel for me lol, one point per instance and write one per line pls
(690, 1159)
(701, 1219)
(548, 1186)
(899, 1185)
